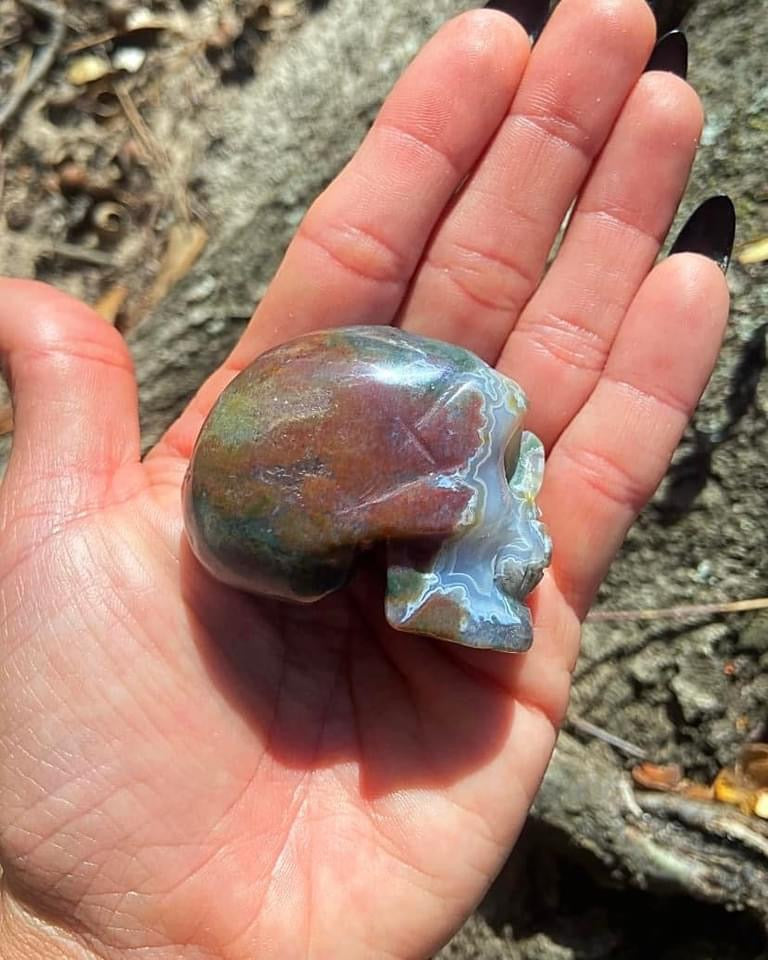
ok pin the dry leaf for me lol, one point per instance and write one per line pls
(283, 8)
(186, 241)
(731, 790)
(761, 805)
(696, 791)
(654, 776)
(88, 68)
(744, 786)
(108, 305)
(755, 252)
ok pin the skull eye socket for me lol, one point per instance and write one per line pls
(512, 455)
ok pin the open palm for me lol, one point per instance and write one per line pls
(194, 773)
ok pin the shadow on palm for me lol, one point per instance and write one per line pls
(331, 684)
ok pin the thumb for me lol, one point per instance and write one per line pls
(74, 400)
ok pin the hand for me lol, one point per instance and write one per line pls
(195, 773)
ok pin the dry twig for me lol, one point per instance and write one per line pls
(73, 251)
(677, 613)
(42, 63)
(154, 152)
(592, 730)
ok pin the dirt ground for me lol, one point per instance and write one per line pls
(111, 187)
(89, 192)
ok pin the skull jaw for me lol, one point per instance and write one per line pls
(471, 590)
(449, 614)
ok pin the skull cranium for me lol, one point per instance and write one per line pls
(340, 439)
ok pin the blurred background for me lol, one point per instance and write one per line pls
(156, 158)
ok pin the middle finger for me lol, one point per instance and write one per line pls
(487, 255)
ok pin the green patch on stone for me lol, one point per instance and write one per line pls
(462, 360)
(246, 542)
(236, 417)
(404, 583)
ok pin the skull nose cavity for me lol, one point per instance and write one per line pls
(512, 454)
(517, 576)
(509, 575)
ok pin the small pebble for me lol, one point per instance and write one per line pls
(17, 217)
(86, 69)
(130, 59)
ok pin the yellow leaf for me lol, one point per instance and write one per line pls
(755, 252)
(108, 305)
(186, 241)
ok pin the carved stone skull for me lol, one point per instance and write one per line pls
(345, 438)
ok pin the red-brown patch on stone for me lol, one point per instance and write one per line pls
(338, 440)
(369, 458)
(439, 616)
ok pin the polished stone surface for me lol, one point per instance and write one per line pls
(342, 439)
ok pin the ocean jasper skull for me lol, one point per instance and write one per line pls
(345, 438)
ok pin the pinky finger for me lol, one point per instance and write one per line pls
(609, 461)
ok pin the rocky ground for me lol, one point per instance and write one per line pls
(158, 168)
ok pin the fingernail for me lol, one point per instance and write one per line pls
(669, 13)
(709, 231)
(670, 54)
(532, 14)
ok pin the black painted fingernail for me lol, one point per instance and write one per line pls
(532, 14)
(709, 231)
(669, 14)
(670, 54)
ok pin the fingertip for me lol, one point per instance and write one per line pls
(673, 104)
(20, 292)
(37, 317)
(700, 286)
(72, 386)
(585, 64)
(486, 40)
(466, 76)
(626, 24)
(630, 16)
(532, 15)
(486, 24)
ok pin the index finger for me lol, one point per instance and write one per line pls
(352, 257)
(362, 238)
